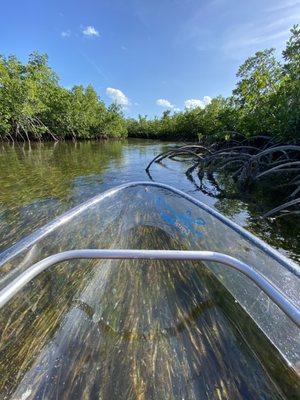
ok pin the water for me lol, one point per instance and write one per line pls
(114, 330)
(41, 182)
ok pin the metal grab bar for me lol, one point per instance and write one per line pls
(262, 282)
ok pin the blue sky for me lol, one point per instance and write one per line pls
(148, 55)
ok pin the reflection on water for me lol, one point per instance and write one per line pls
(129, 330)
(132, 329)
(43, 181)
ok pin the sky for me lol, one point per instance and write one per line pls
(147, 55)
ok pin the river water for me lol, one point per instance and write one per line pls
(41, 182)
(128, 329)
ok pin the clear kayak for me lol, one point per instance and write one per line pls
(143, 292)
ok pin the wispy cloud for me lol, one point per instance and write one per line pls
(90, 31)
(285, 21)
(94, 65)
(270, 30)
(283, 5)
(190, 104)
(195, 32)
(66, 34)
(243, 42)
(118, 97)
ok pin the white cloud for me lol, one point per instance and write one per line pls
(66, 34)
(90, 31)
(117, 96)
(206, 100)
(194, 103)
(164, 103)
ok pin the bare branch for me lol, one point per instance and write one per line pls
(281, 207)
(280, 168)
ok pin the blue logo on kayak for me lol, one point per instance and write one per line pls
(184, 222)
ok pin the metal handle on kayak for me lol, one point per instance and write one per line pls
(262, 282)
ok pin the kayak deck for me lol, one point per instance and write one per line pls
(138, 328)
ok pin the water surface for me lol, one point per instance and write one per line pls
(125, 329)
(40, 182)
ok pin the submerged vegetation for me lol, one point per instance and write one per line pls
(253, 135)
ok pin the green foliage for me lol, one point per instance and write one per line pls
(34, 106)
(266, 100)
(291, 54)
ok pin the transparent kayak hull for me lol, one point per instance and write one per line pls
(147, 328)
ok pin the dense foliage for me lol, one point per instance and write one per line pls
(266, 101)
(34, 106)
